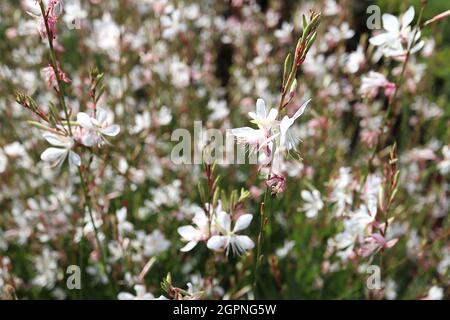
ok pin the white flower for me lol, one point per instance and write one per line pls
(261, 137)
(141, 294)
(95, 128)
(264, 120)
(287, 140)
(435, 293)
(398, 35)
(444, 165)
(372, 82)
(313, 202)
(172, 25)
(56, 155)
(228, 237)
(354, 60)
(193, 235)
(155, 243)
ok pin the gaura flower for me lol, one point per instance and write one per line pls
(192, 235)
(276, 183)
(50, 76)
(398, 35)
(372, 83)
(227, 237)
(259, 138)
(94, 129)
(313, 203)
(63, 147)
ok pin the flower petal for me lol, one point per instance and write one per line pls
(408, 17)
(301, 110)
(379, 39)
(245, 242)
(216, 242)
(189, 246)
(112, 130)
(53, 154)
(187, 232)
(74, 159)
(390, 23)
(261, 108)
(57, 140)
(243, 222)
(84, 120)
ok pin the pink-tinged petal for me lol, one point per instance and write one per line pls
(408, 17)
(112, 130)
(187, 232)
(84, 120)
(391, 243)
(378, 40)
(216, 242)
(245, 242)
(268, 140)
(390, 23)
(242, 222)
(189, 246)
(378, 238)
(261, 108)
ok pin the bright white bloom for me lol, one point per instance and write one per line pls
(287, 140)
(398, 35)
(192, 235)
(94, 129)
(228, 237)
(313, 203)
(141, 294)
(63, 147)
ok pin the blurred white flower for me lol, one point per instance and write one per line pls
(373, 82)
(435, 293)
(313, 202)
(63, 147)
(398, 35)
